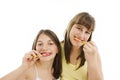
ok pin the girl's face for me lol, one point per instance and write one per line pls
(46, 47)
(79, 34)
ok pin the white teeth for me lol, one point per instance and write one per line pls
(45, 54)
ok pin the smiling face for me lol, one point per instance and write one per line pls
(46, 47)
(79, 34)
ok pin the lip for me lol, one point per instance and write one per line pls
(84, 42)
(44, 54)
(77, 39)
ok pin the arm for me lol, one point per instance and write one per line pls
(95, 70)
(19, 74)
(93, 61)
(14, 74)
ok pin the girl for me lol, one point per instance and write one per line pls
(43, 62)
(80, 57)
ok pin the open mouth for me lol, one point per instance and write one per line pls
(84, 42)
(44, 54)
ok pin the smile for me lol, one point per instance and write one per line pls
(44, 54)
(83, 42)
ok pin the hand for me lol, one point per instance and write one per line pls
(93, 61)
(30, 58)
(91, 52)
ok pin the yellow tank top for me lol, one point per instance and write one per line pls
(69, 71)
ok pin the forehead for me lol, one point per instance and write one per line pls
(82, 26)
(78, 25)
(44, 37)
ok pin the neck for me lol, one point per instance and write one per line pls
(75, 52)
(44, 69)
(47, 66)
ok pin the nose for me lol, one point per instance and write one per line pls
(82, 35)
(44, 47)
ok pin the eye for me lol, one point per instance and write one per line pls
(51, 43)
(39, 44)
(79, 28)
(87, 32)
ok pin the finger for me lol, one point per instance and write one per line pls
(85, 50)
(92, 43)
(86, 47)
(34, 55)
(28, 57)
(31, 55)
(88, 44)
(37, 53)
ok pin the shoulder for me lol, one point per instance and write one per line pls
(62, 46)
(62, 43)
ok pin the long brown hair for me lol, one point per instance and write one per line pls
(86, 20)
(57, 64)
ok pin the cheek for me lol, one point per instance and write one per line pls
(38, 48)
(87, 37)
(72, 33)
(55, 50)
(70, 36)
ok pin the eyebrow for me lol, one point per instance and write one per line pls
(41, 41)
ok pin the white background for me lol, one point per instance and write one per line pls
(20, 21)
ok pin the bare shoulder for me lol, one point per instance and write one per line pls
(28, 75)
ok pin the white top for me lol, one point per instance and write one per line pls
(37, 77)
